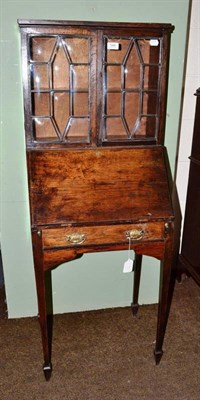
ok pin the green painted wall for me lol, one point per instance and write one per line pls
(95, 281)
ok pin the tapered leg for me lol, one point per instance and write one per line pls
(136, 284)
(46, 328)
(164, 297)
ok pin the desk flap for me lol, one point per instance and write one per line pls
(104, 185)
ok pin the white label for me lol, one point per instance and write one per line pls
(154, 42)
(112, 46)
(128, 266)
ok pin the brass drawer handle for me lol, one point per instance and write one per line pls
(76, 238)
(134, 234)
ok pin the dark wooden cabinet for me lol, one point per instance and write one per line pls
(190, 251)
(95, 104)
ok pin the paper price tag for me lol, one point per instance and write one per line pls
(154, 42)
(113, 46)
(128, 266)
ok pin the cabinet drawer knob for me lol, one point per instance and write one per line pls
(76, 238)
(135, 234)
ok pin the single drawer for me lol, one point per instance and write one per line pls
(102, 235)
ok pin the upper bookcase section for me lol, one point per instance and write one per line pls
(94, 83)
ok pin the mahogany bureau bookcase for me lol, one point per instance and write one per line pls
(95, 104)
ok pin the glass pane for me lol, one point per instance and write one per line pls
(40, 104)
(113, 77)
(39, 77)
(116, 55)
(113, 104)
(132, 101)
(42, 48)
(79, 128)
(151, 77)
(60, 70)
(132, 70)
(80, 102)
(147, 127)
(115, 128)
(80, 77)
(149, 103)
(78, 49)
(44, 129)
(150, 50)
(61, 110)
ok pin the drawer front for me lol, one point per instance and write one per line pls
(102, 235)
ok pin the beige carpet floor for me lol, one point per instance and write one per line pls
(106, 355)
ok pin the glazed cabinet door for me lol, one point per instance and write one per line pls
(61, 82)
(133, 77)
